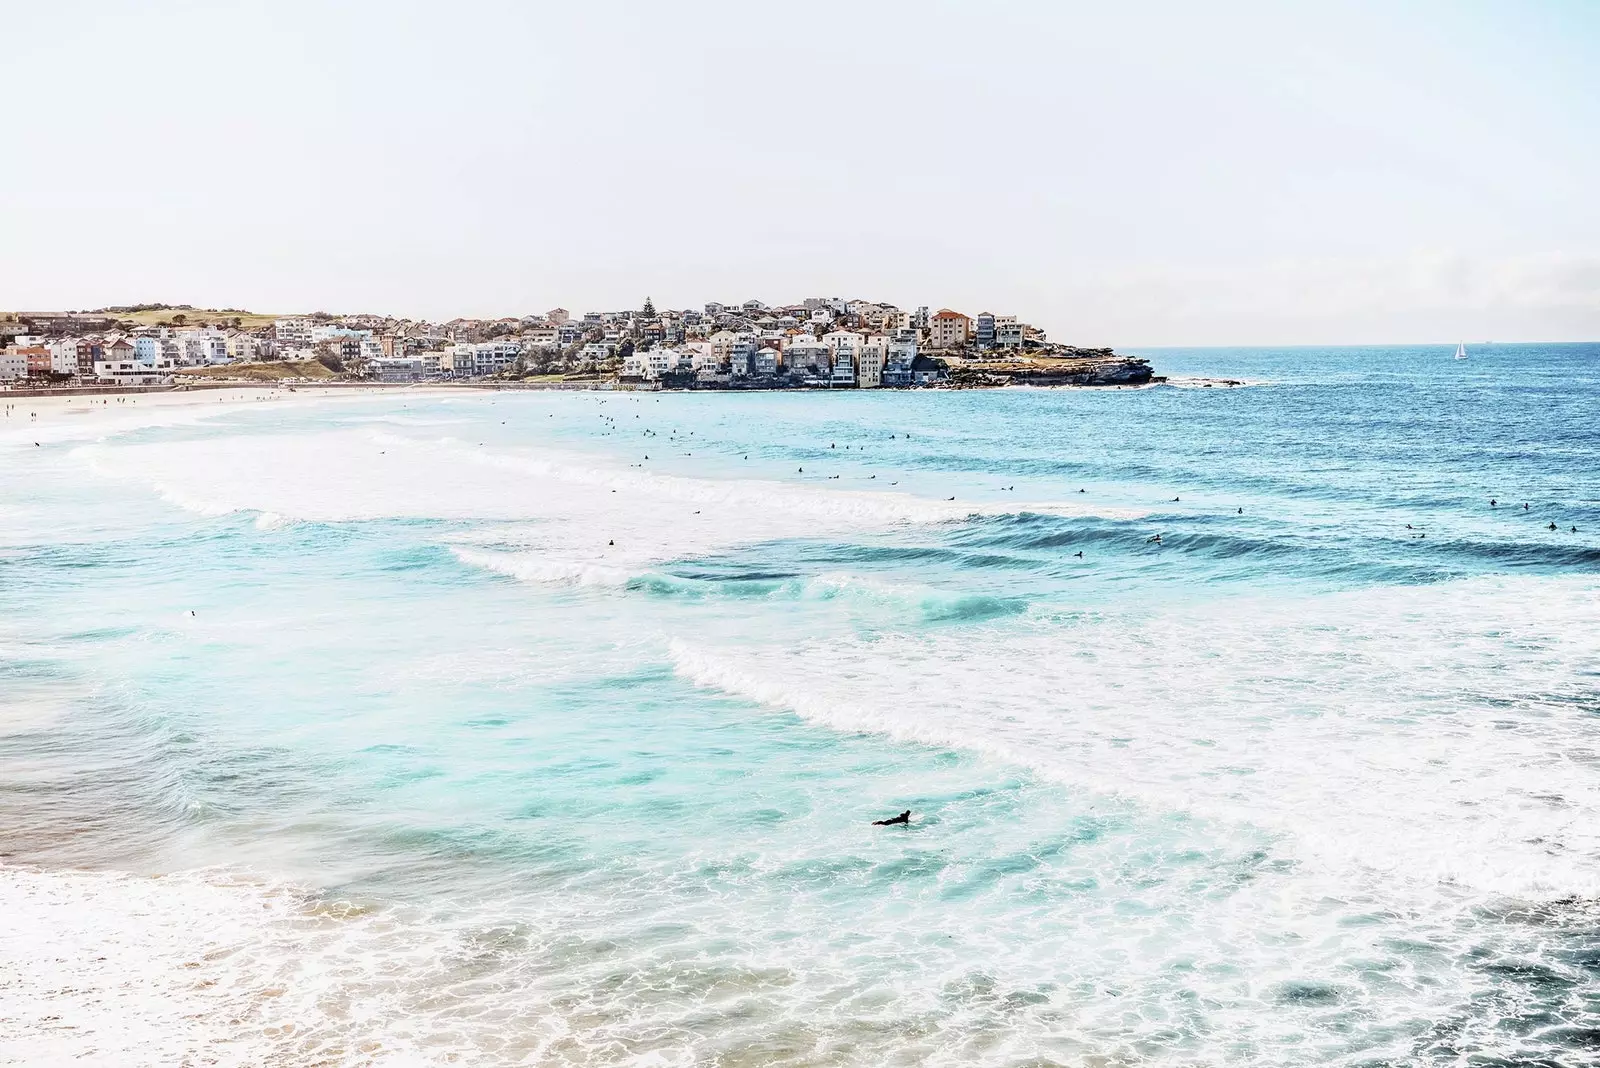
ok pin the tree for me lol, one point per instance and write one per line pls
(328, 358)
(649, 308)
(625, 349)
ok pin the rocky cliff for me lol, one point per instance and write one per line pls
(1083, 367)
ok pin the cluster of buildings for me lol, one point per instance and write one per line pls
(821, 342)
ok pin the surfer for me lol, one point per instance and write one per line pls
(1079, 554)
(904, 817)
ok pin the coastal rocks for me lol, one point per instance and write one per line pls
(1103, 368)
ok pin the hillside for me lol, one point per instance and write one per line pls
(191, 317)
(260, 372)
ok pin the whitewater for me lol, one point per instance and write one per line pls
(412, 727)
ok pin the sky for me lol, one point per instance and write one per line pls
(1131, 175)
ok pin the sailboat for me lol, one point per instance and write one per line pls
(1461, 350)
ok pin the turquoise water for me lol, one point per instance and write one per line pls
(548, 728)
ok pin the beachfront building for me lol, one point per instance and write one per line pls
(397, 368)
(294, 332)
(949, 329)
(120, 367)
(63, 356)
(874, 353)
(13, 364)
(474, 359)
(806, 357)
(983, 330)
(1008, 332)
(768, 359)
(844, 371)
(926, 371)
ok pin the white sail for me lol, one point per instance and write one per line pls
(1461, 350)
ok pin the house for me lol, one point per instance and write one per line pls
(240, 346)
(949, 329)
(805, 353)
(13, 365)
(766, 362)
(723, 342)
(1009, 332)
(119, 350)
(474, 359)
(557, 316)
(741, 355)
(660, 362)
(926, 371)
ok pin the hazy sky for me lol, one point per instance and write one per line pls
(1124, 174)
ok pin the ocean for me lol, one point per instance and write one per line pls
(491, 728)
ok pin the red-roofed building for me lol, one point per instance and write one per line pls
(949, 329)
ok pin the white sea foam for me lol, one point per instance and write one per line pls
(1436, 733)
(584, 519)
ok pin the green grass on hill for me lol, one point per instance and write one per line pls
(260, 372)
(194, 317)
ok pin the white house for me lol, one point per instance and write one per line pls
(119, 367)
(64, 356)
(294, 332)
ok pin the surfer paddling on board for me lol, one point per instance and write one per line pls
(904, 817)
